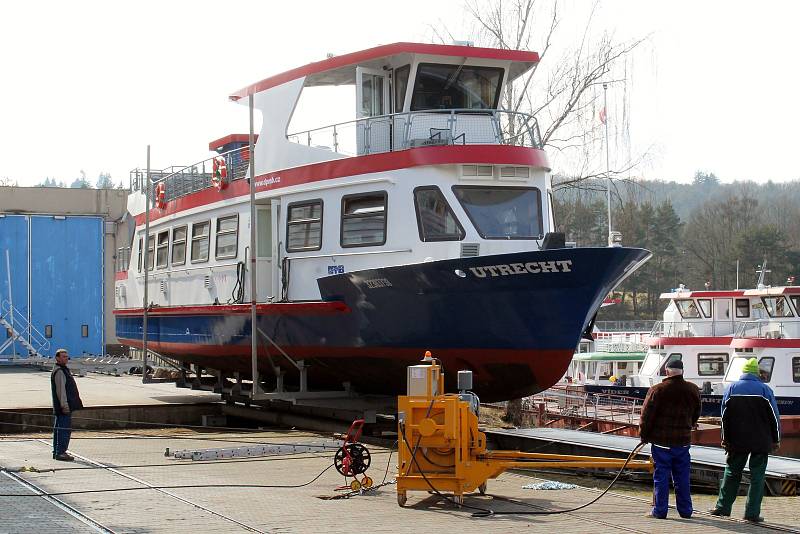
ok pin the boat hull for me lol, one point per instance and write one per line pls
(513, 319)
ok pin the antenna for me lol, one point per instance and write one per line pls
(762, 271)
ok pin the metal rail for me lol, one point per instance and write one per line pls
(74, 512)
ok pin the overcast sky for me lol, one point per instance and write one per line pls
(87, 85)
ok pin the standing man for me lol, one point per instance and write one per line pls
(65, 401)
(669, 413)
(750, 427)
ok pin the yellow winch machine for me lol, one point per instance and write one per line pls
(441, 450)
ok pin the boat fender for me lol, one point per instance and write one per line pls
(161, 196)
(219, 175)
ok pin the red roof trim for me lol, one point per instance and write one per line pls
(754, 343)
(385, 51)
(702, 294)
(285, 308)
(339, 168)
(231, 138)
(708, 340)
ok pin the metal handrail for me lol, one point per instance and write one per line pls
(524, 133)
(42, 344)
(694, 328)
(767, 329)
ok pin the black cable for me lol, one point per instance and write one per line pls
(388, 462)
(191, 486)
(489, 513)
(237, 294)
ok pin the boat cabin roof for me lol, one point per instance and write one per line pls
(689, 294)
(770, 291)
(341, 70)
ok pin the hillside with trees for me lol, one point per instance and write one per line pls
(696, 231)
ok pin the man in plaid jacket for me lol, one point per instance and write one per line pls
(670, 411)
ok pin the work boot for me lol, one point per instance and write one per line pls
(718, 512)
(757, 519)
(64, 457)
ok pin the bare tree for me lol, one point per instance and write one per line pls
(564, 92)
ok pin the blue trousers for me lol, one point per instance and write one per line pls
(62, 430)
(671, 463)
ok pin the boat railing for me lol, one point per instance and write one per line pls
(576, 402)
(767, 329)
(412, 129)
(183, 180)
(620, 346)
(624, 326)
(694, 328)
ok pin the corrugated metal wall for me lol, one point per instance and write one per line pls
(57, 278)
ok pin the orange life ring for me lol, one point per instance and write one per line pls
(219, 174)
(161, 196)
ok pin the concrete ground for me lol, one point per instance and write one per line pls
(29, 388)
(298, 506)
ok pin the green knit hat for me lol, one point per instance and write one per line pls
(751, 367)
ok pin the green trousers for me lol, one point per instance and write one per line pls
(729, 487)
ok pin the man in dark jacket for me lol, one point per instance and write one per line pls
(750, 427)
(65, 401)
(669, 413)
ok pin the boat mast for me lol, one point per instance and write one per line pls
(253, 263)
(608, 164)
(146, 243)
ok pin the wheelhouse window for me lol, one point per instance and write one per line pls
(705, 307)
(151, 257)
(200, 241)
(796, 369)
(672, 357)
(400, 86)
(777, 306)
(765, 366)
(687, 308)
(712, 364)
(304, 226)
(139, 261)
(796, 301)
(502, 212)
(179, 246)
(742, 308)
(162, 251)
(456, 87)
(364, 220)
(227, 237)
(435, 219)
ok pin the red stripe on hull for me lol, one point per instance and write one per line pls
(498, 374)
(754, 343)
(283, 308)
(354, 166)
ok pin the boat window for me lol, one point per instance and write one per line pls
(304, 226)
(151, 257)
(162, 251)
(765, 366)
(705, 307)
(650, 364)
(796, 369)
(736, 368)
(796, 301)
(200, 241)
(742, 308)
(777, 306)
(687, 308)
(712, 364)
(552, 208)
(502, 212)
(400, 86)
(227, 237)
(672, 357)
(139, 262)
(179, 245)
(456, 87)
(364, 220)
(435, 219)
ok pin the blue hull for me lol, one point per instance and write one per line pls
(513, 319)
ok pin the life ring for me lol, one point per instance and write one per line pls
(219, 174)
(160, 196)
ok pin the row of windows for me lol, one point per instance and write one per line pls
(160, 245)
(714, 364)
(496, 213)
(48, 331)
(775, 306)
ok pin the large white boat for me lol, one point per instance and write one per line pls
(426, 223)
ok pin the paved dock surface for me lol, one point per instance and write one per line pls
(25, 387)
(138, 461)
